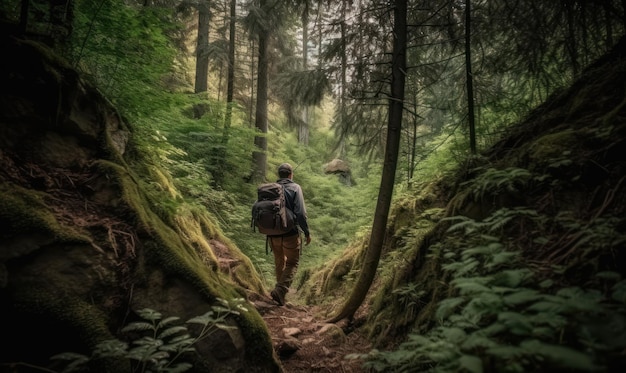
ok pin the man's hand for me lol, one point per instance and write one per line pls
(308, 240)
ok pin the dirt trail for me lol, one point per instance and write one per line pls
(305, 343)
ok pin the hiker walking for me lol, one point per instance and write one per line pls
(286, 247)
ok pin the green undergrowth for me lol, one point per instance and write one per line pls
(515, 262)
(507, 314)
(153, 343)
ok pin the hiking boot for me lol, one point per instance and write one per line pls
(278, 294)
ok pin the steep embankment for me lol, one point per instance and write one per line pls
(518, 261)
(84, 249)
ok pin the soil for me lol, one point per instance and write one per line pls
(304, 342)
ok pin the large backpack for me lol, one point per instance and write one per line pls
(270, 214)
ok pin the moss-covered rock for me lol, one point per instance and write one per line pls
(83, 248)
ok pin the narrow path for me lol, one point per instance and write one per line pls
(305, 343)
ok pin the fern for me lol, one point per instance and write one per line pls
(163, 346)
(409, 295)
(503, 314)
(491, 181)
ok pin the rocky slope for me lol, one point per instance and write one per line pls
(84, 251)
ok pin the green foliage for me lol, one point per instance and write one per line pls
(159, 344)
(409, 295)
(126, 51)
(494, 223)
(492, 181)
(502, 318)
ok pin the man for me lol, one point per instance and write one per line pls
(286, 247)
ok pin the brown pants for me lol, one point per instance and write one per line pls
(286, 258)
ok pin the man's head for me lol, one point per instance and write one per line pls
(285, 170)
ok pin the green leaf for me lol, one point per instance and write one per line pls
(447, 307)
(202, 320)
(482, 306)
(137, 326)
(180, 338)
(467, 266)
(501, 257)
(468, 287)
(522, 296)
(171, 331)
(506, 352)
(609, 275)
(554, 321)
(488, 249)
(110, 348)
(492, 330)
(225, 327)
(167, 321)
(471, 363)
(546, 284)
(511, 278)
(476, 341)
(147, 341)
(178, 368)
(562, 356)
(149, 314)
(548, 307)
(453, 335)
(544, 332)
(517, 323)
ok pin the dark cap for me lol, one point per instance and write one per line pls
(284, 168)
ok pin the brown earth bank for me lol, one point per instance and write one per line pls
(83, 250)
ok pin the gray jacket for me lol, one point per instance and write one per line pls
(295, 203)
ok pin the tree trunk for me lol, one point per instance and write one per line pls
(303, 125)
(202, 58)
(230, 89)
(470, 79)
(252, 88)
(220, 170)
(413, 140)
(259, 154)
(394, 131)
(342, 98)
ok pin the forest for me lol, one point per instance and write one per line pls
(461, 163)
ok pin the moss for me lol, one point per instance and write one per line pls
(259, 349)
(24, 211)
(553, 145)
(391, 314)
(176, 249)
(43, 290)
(191, 225)
(186, 240)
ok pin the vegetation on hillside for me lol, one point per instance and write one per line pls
(455, 269)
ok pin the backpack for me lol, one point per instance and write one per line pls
(270, 214)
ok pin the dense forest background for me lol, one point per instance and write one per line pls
(218, 93)
(186, 75)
